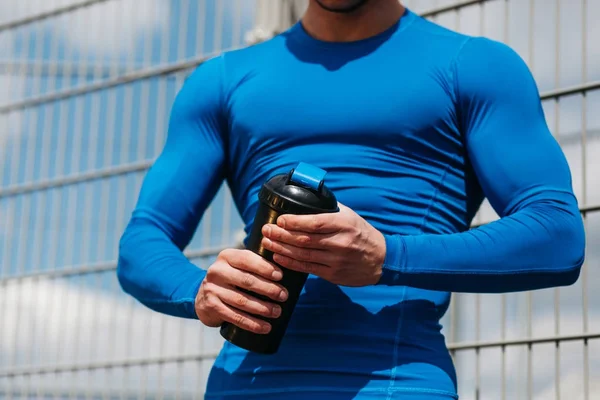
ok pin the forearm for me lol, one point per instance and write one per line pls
(539, 246)
(175, 193)
(153, 270)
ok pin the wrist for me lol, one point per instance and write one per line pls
(394, 260)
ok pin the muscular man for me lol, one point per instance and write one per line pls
(415, 125)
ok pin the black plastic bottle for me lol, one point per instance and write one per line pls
(301, 191)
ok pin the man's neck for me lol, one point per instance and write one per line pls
(373, 18)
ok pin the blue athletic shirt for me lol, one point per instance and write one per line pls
(415, 126)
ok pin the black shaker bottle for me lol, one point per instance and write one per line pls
(301, 191)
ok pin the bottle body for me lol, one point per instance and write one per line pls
(293, 281)
(280, 195)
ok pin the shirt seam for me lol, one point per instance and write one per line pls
(396, 353)
(434, 197)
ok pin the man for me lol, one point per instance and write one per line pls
(415, 124)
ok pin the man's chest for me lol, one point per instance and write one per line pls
(287, 108)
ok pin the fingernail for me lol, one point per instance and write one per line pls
(277, 275)
(283, 295)
(266, 328)
(281, 222)
(276, 311)
(266, 230)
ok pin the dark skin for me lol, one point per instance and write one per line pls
(342, 248)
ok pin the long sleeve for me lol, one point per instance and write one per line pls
(539, 240)
(175, 193)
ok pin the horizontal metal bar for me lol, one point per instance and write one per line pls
(75, 178)
(191, 63)
(568, 91)
(139, 166)
(133, 362)
(523, 342)
(39, 68)
(104, 84)
(450, 7)
(103, 266)
(55, 369)
(48, 14)
(50, 391)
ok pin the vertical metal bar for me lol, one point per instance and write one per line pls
(75, 197)
(122, 189)
(557, 130)
(4, 261)
(529, 294)
(478, 296)
(584, 274)
(88, 234)
(206, 218)
(21, 75)
(109, 139)
(219, 17)
(503, 295)
(56, 310)
(162, 90)
(181, 54)
(41, 203)
(45, 164)
(23, 226)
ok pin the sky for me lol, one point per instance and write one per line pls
(53, 321)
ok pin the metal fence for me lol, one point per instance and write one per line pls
(85, 89)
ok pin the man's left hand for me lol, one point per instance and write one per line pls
(341, 247)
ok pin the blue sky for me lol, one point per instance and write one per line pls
(80, 224)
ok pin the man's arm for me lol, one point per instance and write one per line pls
(176, 191)
(539, 240)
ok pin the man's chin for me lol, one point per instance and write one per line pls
(341, 6)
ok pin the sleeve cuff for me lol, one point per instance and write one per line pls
(394, 262)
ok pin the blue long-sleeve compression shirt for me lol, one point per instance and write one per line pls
(415, 126)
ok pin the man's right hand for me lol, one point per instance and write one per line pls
(219, 299)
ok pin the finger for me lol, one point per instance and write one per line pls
(299, 253)
(300, 239)
(245, 302)
(251, 262)
(302, 266)
(255, 284)
(243, 320)
(315, 223)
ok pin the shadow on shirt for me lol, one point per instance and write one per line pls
(335, 345)
(309, 50)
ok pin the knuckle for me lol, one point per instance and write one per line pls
(306, 267)
(346, 242)
(212, 272)
(304, 240)
(239, 320)
(316, 223)
(305, 254)
(248, 281)
(225, 254)
(241, 300)
(211, 303)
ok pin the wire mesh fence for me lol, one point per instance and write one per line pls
(86, 90)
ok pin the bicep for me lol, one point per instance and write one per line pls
(190, 168)
(514, 155)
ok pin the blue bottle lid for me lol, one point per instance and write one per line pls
(300, 191)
